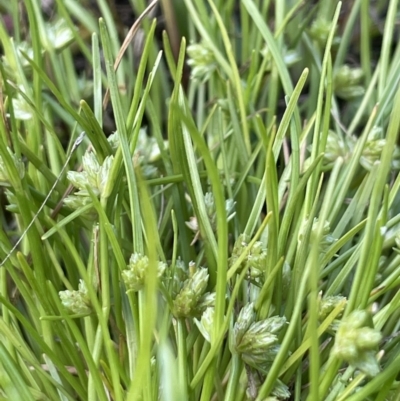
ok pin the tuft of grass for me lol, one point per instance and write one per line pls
(229, 227)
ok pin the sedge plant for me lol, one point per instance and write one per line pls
(228, 228)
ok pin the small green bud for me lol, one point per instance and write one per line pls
(59, 34)
(177, 274)
(256, 339)
(346, 82)
(274, 324)
(281, 390)
(75, 202)
(262, 360)
(368, 338)
(238, 248)
(256, 342)
(104, 174)
(202, 60)
(320, 30)
(359, 318)
(348, 348)
(328, 304)
(78, 178)
(373, 150)
(246, 317)
(113, 140)
(206, 301)
(135, 275)
(337, 146)
(230, 205)
(205, 325)
(257, 259)
(93, 175)
(367, 363)
(190, 295)
(12, 202)
(77, 302)
(357, 341)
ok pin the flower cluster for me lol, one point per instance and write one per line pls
(201, 59)
(337, 146)
(346, 82)
(255, 259)
(92, 175)
(319, 32)
(357, 342)
(257, 342)
(373, 149)
(189, 291)
(205, 324)
(59, 34)
(77, 301)
(134, 275)
(327, 305)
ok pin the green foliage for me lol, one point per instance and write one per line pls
(229, 227)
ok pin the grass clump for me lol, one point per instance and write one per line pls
(228, 229)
